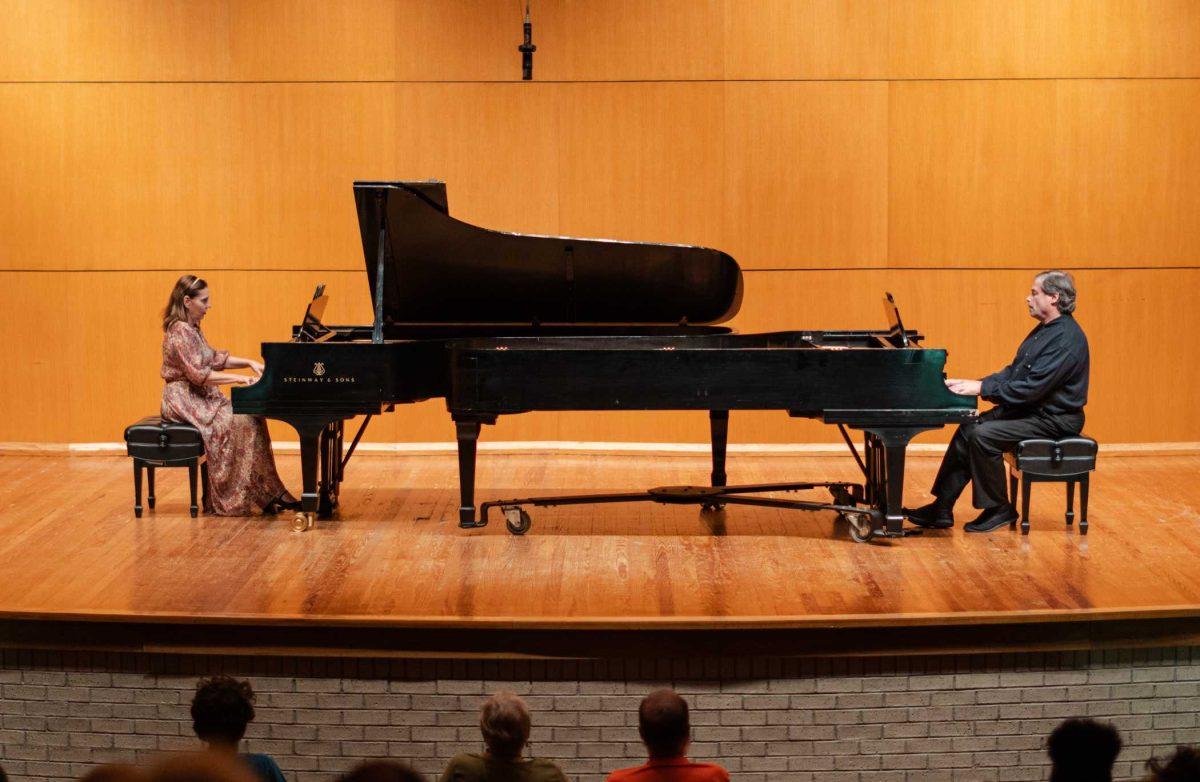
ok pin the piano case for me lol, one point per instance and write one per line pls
(163, 443)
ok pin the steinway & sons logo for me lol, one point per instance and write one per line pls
(319, 375)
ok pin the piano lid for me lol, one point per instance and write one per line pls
(441, 270)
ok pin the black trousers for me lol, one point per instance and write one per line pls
(976, 454)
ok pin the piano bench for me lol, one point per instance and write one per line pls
(1069, 460)
(154, 442)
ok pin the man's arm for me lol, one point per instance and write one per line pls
(1047, 372)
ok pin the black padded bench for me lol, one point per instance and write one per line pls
(154, 442)
(1069, 460)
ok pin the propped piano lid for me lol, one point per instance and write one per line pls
(441, 270)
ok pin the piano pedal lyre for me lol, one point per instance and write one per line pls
(302, 522)
(516, 519)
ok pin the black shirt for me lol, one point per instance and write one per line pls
(1050, 372)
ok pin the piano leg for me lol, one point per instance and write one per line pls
(890, 444)
(467, 432)
(331, 456)
(311, 435)
(893, 456)
(719, 422)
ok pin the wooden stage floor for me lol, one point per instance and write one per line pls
(72, 551)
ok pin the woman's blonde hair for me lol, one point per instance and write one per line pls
(504, 722)
(187, 285)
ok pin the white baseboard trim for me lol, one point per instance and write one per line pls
(585, 447)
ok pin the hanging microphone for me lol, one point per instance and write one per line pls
(527, 49)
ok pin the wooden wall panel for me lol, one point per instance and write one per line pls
(1128, 172)
(970, 173)
(380, 40)
(495, 145)
(643, 162)
(1014, 173)
(285, 40)
(1038, 39)
(94, 366)
(806, 39)
(68, 40)
(616, 40)
(256, 175)
(806, 174)
(214, 175)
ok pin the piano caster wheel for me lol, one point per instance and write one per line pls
(713, 506)
(517, 520)
(302, 522)
(860, 526)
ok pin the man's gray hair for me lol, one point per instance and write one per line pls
(1062, 283)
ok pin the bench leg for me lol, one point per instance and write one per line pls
(1012, 488)
(204, 486)
(137, 488)
(192, 470)
(1083, 497)
(150, 485)
(1025, 484)
(1070, 503)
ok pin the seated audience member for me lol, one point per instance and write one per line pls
(666, 732)
(505, 723)
(1083, 750)
(200, 767)
(1183, 766)
(381, 771)
(221, 710)
(114, 772)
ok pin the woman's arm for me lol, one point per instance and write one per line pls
(234, 362)
(216, 378)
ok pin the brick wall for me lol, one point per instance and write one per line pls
(979, 717)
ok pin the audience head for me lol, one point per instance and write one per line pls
(1183, 766)
(221, 709)
(200, 767)
(663, 724)
(381, 771)
(1083, 750)
(504, 721)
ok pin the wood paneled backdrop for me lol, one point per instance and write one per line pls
(941, 149)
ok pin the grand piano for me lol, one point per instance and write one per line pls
(502, 323)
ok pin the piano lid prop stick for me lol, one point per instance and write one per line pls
(377, 331)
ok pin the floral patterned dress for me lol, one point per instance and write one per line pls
(241, 468)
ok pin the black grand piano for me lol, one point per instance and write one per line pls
(501, 323)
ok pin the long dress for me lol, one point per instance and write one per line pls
(241, 468)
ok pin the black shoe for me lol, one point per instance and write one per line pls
(931, 516)
(279, 504)
(993, 518)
